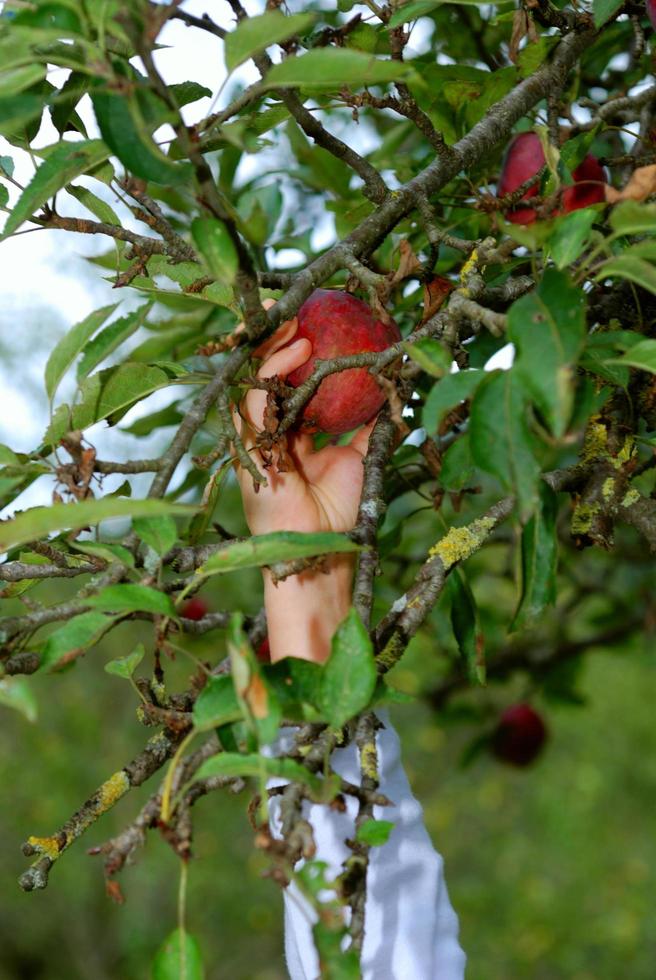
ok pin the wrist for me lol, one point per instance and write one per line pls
(304, 611)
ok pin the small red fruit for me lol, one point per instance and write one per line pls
(337, 324)
(519, 735)
(263, 652)
(194, 608)
(650, 6)
(525, 157)
(590, 178)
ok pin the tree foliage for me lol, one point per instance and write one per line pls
(533, 463)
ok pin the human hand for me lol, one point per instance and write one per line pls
(322, 490)
(320, 493)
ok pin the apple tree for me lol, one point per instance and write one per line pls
(371, 143)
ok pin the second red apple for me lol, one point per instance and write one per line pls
(525, 157)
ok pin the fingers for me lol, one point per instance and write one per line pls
(360, 441)
(282, 363)
(278, 338)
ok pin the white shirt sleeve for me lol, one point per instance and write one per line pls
(411, 929)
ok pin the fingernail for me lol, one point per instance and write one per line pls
(296, 344)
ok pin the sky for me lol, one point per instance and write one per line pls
(46, 285)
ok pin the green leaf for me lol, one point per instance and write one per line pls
(70, 346)
(106, 393)
(104, 343)
(69, 641)
(8, 457)
(216, 704)
(535, 54)
(446, 394)
(349, 676)
(641, 355)
(266, 549)
(332, 68)
(17, 111)
(259, 209)
(254, 34)
(374, 832)
(62, 17)
(202, 520)
(500, 438)
(37, 523)
(62, 107)
(430, 355)
(126, 134)
(256, 699)
(235, 764)
(413, 10)
(17, 79)
(218, 249)
(126, 666)
(103, 549)
(160, 533)
(95, 205)
(632, 218)
(575, 150)
(179, 958)
(603, 10)
(539, 561)
(295, 681)
(132, 597)
(466, 627)
(171, 415)
(16, 693)
(628, 266)
(68, 160)
(570, 236)
(457, 465)
(548, 329)
(186, 92)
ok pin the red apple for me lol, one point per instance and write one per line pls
(651, 11)
(525, 157)
(519, 735)
(263, 652)
(337, 324)
(194, 608)
(590, 179)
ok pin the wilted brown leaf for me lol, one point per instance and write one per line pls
(435, 292)
(641, 185)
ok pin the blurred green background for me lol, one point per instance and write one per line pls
(550, 869)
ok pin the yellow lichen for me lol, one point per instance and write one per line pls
(595, 442)
(391, 652)
(113, 789)
(583, 516)
(625, 454)
(469, 265)
(608, 489)
(368, 761)
(630, 497)
(461, 542)
(45, 845)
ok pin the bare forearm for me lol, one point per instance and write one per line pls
(304, 611)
